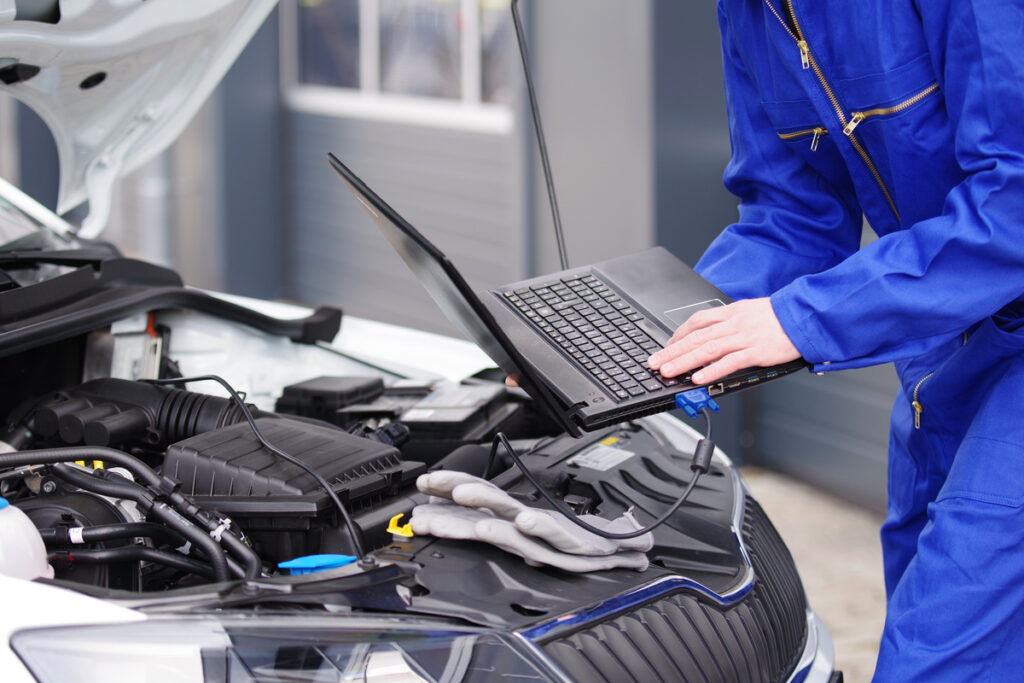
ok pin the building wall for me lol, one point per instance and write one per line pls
(460, 189)
(593, 69)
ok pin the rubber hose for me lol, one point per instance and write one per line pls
(49, 456)
(113, 532)
(132, 553)
(161, 511)
(244, 553)
(235, 545)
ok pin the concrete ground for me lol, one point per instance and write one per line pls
(837, 551)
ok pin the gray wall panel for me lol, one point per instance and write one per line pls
(459, 188)
(252, 152)
(692, 134)
(593, 72)
(831, 430)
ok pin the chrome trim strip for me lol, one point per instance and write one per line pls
(642, 594)
(538, 652)
(668, 427)
(818, 660)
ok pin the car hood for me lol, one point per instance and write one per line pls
(118, 80)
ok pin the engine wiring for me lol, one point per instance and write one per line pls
(353, 533)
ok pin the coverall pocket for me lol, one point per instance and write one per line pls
(988, 465)
(987, 470)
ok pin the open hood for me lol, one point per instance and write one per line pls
(117, 80)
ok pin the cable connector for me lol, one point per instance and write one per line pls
(693, 401)
(166, 488)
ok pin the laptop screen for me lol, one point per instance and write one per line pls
(432, 268)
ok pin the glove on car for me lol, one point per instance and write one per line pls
(483, 512)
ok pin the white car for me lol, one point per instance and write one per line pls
(149, 532)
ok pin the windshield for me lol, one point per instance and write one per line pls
(21, 232)
(15, 225)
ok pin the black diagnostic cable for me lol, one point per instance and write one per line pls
(247, 414)
(701, 463)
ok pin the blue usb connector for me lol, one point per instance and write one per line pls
(692, 401)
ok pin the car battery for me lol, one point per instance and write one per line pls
(452, 410)
(440, 417)
(323, 397)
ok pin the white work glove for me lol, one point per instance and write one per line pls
(483, 512)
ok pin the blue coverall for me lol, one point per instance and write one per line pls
(931, 96)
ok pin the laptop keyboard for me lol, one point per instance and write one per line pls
(595, 326)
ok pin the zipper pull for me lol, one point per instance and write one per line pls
(918, 409)
(855, 119)
(805, 54)
(817, 137)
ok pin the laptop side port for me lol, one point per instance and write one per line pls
(716, 389)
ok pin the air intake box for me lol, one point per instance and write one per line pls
(280, 505)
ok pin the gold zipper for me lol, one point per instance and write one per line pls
(918, 408)
(916, 404)
(817, 132)
(807, 60)
(858, 116)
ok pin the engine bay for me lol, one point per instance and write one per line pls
(150, 485)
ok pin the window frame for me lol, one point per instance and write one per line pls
(467, 113)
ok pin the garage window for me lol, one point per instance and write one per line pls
(436, 62)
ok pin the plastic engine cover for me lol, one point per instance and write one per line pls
(230, 469)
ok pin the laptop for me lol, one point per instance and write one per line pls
(577, 340)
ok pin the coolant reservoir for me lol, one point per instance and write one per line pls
(22, 553)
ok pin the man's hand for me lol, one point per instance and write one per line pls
(725, 339)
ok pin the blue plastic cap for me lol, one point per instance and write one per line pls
(309, 564)
(3, 503)
(692, 401)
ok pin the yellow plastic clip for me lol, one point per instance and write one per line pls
(405, 530)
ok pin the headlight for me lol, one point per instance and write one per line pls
(269, 649)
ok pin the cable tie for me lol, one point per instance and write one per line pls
(224, 525)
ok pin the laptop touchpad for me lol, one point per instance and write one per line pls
(681, 314)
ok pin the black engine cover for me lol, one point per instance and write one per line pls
(230, 471)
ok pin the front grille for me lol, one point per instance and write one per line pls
(687, 638)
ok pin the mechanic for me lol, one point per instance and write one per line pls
(910, 113)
